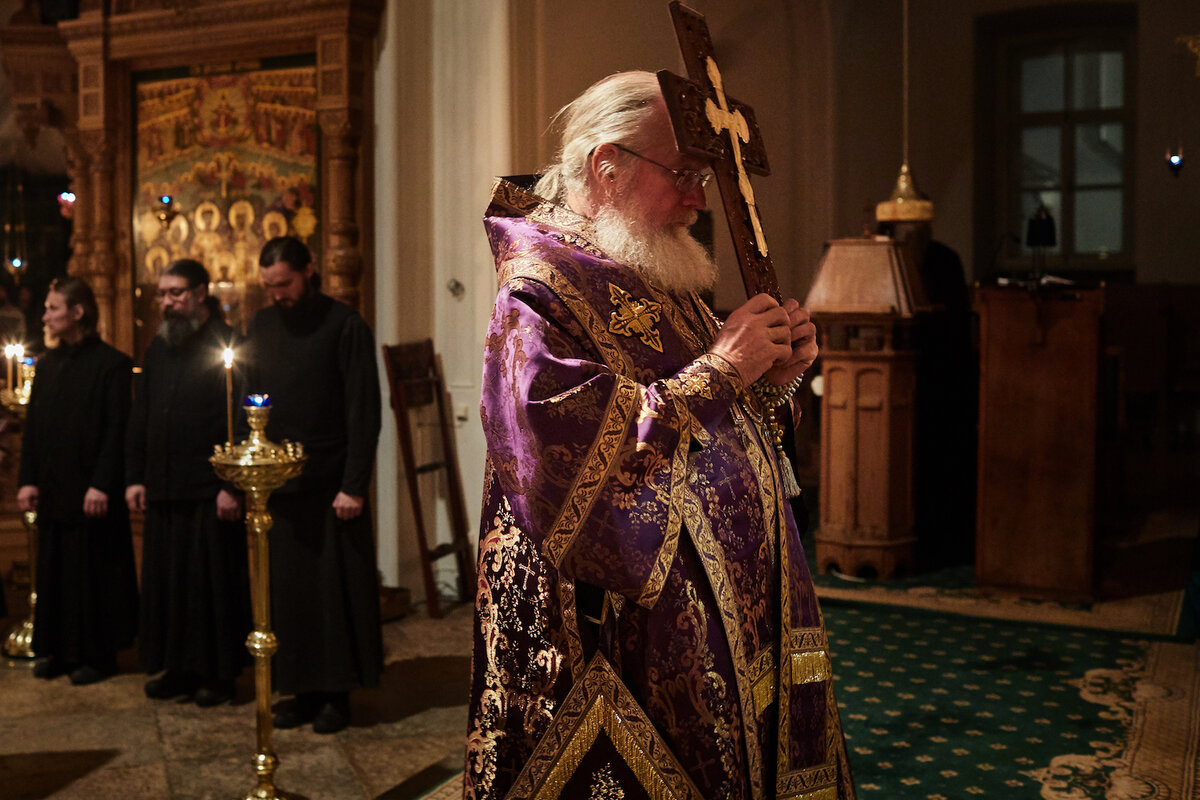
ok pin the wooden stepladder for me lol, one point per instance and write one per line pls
(414, 374)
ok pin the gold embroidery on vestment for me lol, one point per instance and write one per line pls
(713, 560)
(595, 470)
(814, 783)
(600, 702)
(696, 384)
(567, 602)
(604, 786)
(762, 677)
(810, 667)
(635, 317)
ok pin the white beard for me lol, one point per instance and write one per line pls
(669, 257)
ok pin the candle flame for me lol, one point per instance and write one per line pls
(228, 356)
(18, 351)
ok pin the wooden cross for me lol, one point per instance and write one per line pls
(711, 126)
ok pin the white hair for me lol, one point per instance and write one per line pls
(613, 110)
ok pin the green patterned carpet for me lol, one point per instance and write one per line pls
(943, 707)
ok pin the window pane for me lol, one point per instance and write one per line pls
(1099, 80)
(1098, 221)
(1042, 83)
(1041, 156)
(1029, 204)
(1098, 153)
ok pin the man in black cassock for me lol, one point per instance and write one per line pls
(315, 357)
(195, 583)
(72, 473)
(945, 405)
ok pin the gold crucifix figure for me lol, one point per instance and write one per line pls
(722, 119)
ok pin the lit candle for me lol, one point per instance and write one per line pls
(18, 360)
(228, 356)
(258, 400)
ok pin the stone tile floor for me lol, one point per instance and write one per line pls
(109, 741)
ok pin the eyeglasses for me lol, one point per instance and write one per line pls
(175, 292)
(685, 179)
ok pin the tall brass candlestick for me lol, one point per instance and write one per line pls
(15, 398)
(259, 467)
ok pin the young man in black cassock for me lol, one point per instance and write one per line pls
(315, 357)
(195, 582)
(72, 473)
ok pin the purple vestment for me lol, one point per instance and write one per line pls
(632, 505)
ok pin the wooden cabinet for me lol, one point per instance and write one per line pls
(1038, 427)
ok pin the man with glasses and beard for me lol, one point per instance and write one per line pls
(315, 358)
(644, 614)
(195, 611)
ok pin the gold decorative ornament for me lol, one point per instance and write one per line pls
(258, 467)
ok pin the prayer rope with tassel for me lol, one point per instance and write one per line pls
(772, 396)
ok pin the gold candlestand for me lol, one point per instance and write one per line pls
(259, 467)
(18, 647)
(19, 644)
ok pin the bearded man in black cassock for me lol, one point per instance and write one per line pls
(315, 358)
(72, 474)
(195, 583)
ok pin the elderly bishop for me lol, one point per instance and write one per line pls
(646, 624)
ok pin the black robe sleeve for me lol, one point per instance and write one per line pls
(361, 386)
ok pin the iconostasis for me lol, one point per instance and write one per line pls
(226, 159)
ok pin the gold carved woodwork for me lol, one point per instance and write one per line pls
(343, 262)
(78, 169)
(342, 65)
(101, 261)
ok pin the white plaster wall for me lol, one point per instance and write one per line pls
(442, 133)
(471, 146)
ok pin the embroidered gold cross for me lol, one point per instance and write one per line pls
(635, 317)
